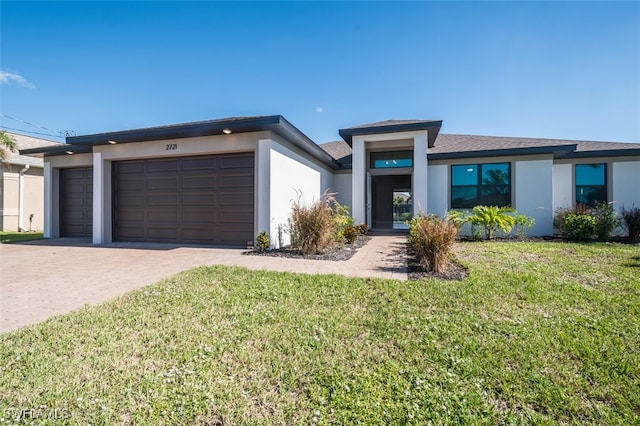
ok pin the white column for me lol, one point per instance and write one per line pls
(98, 198)
(263, 188)
(420, 173)
(48, 201)
(358, 179)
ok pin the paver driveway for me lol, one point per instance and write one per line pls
(40, 279)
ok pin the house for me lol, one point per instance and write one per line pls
(22, 186)
(223, 181)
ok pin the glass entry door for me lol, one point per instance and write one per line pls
(402, 208)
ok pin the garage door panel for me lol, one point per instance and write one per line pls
(200, 200)
(162, 200)
(169, 165)
(166, 234)
(196, 182)
(231, 199)
(162, 183)
(236, 181)
(76, 202)
(197, 163)
(131, 167)
(195, 200)
(237, 161)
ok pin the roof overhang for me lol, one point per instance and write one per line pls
(433, 125)
(556, 150)
(275, 123)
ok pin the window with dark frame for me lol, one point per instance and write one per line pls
(480, 184)
(591, 183)
(391, 159)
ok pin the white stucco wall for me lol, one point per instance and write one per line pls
(438, 189)
(342, 186)
(625, 177)
(562, 186)
(293, 177)
(533, 193)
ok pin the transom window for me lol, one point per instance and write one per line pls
(480, 184)
(591, 183)
(391, 159)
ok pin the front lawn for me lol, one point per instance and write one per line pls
(538, 333)
(12, 237)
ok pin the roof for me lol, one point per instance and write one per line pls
(392, 126)
(275, 123)
(449, 146)
(28, 142)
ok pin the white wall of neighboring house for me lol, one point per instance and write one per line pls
(33, 192)
(533, 193)
(293, 177)
(625, 178)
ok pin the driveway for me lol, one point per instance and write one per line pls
(40, 279)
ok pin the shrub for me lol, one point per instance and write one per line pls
(364, 229)
(607, 220)
(313, 228)
(631, 219)
(523, 224)
(350, 233)
(432, 239)
(578, 226)
(343, 221)
(492, 219)
(457, 218)
(263, 242)
(559, 217)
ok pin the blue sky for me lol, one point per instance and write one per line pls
(567, 70)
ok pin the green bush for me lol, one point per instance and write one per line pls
(561, 214)
(492, 219)
(432, 239)
(457, 218)
(343, 221)
(577, 226)
(523, 224)
(313, 227)
(607, 220)
(631, 219)
(263, 242)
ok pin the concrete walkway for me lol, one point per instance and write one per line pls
(44, 278)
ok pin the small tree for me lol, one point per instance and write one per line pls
(607, 220)
(492, 219)
(7, 144)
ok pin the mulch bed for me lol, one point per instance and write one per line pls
(454, 271)
(336, 253)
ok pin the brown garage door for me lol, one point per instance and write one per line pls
(199, 200)
(76, 202)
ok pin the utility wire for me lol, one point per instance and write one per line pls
(30, 132)
(61, 133)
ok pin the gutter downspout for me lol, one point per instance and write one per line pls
(21, 198)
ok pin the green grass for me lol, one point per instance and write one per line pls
(12, 237)
(540, 333)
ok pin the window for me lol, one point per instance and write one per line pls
(591, 184)
(392, 159)
(480, 184)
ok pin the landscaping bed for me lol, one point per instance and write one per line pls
(337, 252)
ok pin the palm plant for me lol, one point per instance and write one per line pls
(7, 143)
(492, 219)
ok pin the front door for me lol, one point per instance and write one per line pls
(391, 201)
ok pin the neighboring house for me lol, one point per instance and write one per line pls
(223, 181)
(22, 186)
